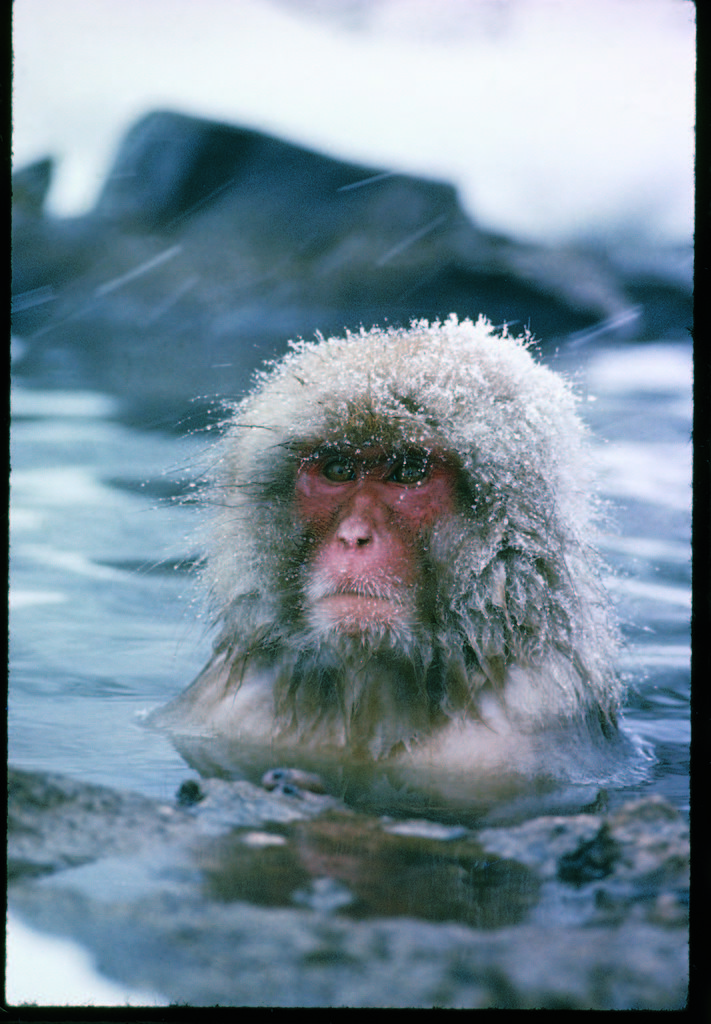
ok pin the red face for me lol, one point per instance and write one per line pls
(367, 510)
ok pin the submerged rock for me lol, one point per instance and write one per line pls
(252, 898)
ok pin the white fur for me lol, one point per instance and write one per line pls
(521, 572)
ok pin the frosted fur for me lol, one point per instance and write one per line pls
(515, 593)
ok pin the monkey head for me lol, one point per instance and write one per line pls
(399, 548)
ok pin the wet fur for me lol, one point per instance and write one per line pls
(508, 633)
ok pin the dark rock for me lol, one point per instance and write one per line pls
(595, 859)
(250, 898)
(631, 864)
(190, 793)
(210, 245)
(644, 842)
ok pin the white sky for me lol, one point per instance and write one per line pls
(552, 116)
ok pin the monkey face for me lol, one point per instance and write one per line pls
(366, 510)
(399, 555)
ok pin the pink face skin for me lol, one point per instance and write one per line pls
(367, 511)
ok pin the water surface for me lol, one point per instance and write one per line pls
(105, 621)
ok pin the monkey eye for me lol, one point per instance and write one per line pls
(338, 470)
(410, 469)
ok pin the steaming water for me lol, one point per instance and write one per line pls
(104, 621)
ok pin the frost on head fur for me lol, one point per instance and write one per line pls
(520, 581)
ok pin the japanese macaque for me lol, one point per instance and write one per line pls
(398, 559)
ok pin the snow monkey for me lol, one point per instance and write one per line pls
(398, 559)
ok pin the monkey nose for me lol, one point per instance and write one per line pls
(354, 532)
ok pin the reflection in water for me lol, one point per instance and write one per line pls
(354, 865)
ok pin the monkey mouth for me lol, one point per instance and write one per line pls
(356, 614)
(358, 606)
(349, 602)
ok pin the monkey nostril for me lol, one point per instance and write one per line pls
(354, 541)
(354, 533)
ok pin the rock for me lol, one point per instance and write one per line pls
(55, 822)
(235, 954)
(644, 841)
(241, 897)
(633, 863)
(210, 245)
